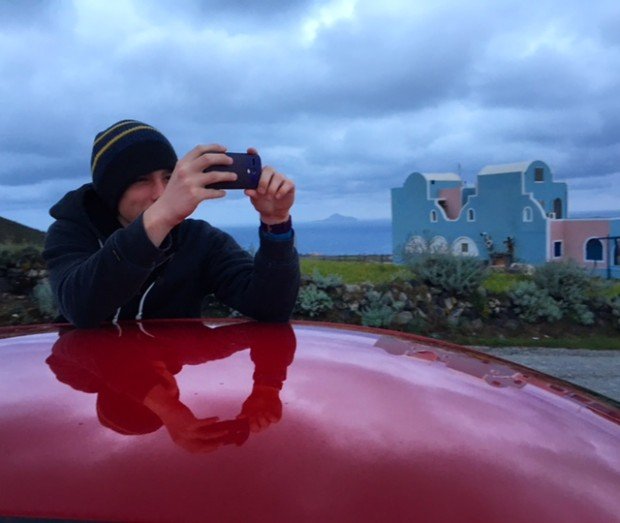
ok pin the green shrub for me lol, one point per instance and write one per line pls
(18, 255)
(459, 275)
(615, 310)
(533, 304)
(325, 282)
(571, 287)
(380, 309)
(43, 297)
(313, 301)
(564, 280)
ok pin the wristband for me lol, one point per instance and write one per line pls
(277, 228)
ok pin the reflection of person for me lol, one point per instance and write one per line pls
(124, 248)
(133, 376)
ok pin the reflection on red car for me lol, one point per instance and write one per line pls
(190, 420)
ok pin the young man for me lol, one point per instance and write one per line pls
(122, 246)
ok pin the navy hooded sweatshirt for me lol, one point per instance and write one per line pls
(101, 271)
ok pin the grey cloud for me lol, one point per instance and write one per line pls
(234, 17)
(545, 80)
(28, 169)
(23, 13)
(389, 90)
(607, 24)
(250, 8)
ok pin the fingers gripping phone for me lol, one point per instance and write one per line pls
(247, 167)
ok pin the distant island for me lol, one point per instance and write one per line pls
(338, 218)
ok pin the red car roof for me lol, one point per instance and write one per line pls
(316, 422)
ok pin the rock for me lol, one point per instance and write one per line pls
(5, 284)
(512, 325)
(449, 303)
(476, 325)
(522, 268)
(456, 313)
(354, 306)
(336, 291)
(402, 318)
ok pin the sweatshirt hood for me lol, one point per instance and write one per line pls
(83, 205)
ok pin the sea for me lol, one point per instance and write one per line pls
(329, 239)
(361, 237)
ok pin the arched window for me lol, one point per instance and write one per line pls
(433, 215)
(594, 250)
(558, 208)
(527, 214)
(464, 246)
(471, 215)
(539, 174)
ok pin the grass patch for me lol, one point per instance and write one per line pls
(353, 272)
(503, 282)
(11, 248)
(612, 290)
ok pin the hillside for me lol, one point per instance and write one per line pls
(13, 232)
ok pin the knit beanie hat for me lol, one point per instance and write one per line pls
(122, 153)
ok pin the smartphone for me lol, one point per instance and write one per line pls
(237, 431)
(247, 167)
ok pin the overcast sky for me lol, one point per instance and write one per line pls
(347, 97)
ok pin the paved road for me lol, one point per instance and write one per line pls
(598, 370)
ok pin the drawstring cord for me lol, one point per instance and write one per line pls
(141, 327)
(141, 307)
(118, 311)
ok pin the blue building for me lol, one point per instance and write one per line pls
(516, 213)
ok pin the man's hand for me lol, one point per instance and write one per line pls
(262, 407)
(274, 196)
(187, 431)
(186, 190)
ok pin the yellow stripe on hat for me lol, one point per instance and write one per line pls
(116, 139)
(113, 128)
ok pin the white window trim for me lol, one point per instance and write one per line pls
(434, 216)
(471, 215)
(525, 217)
(561, 242)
